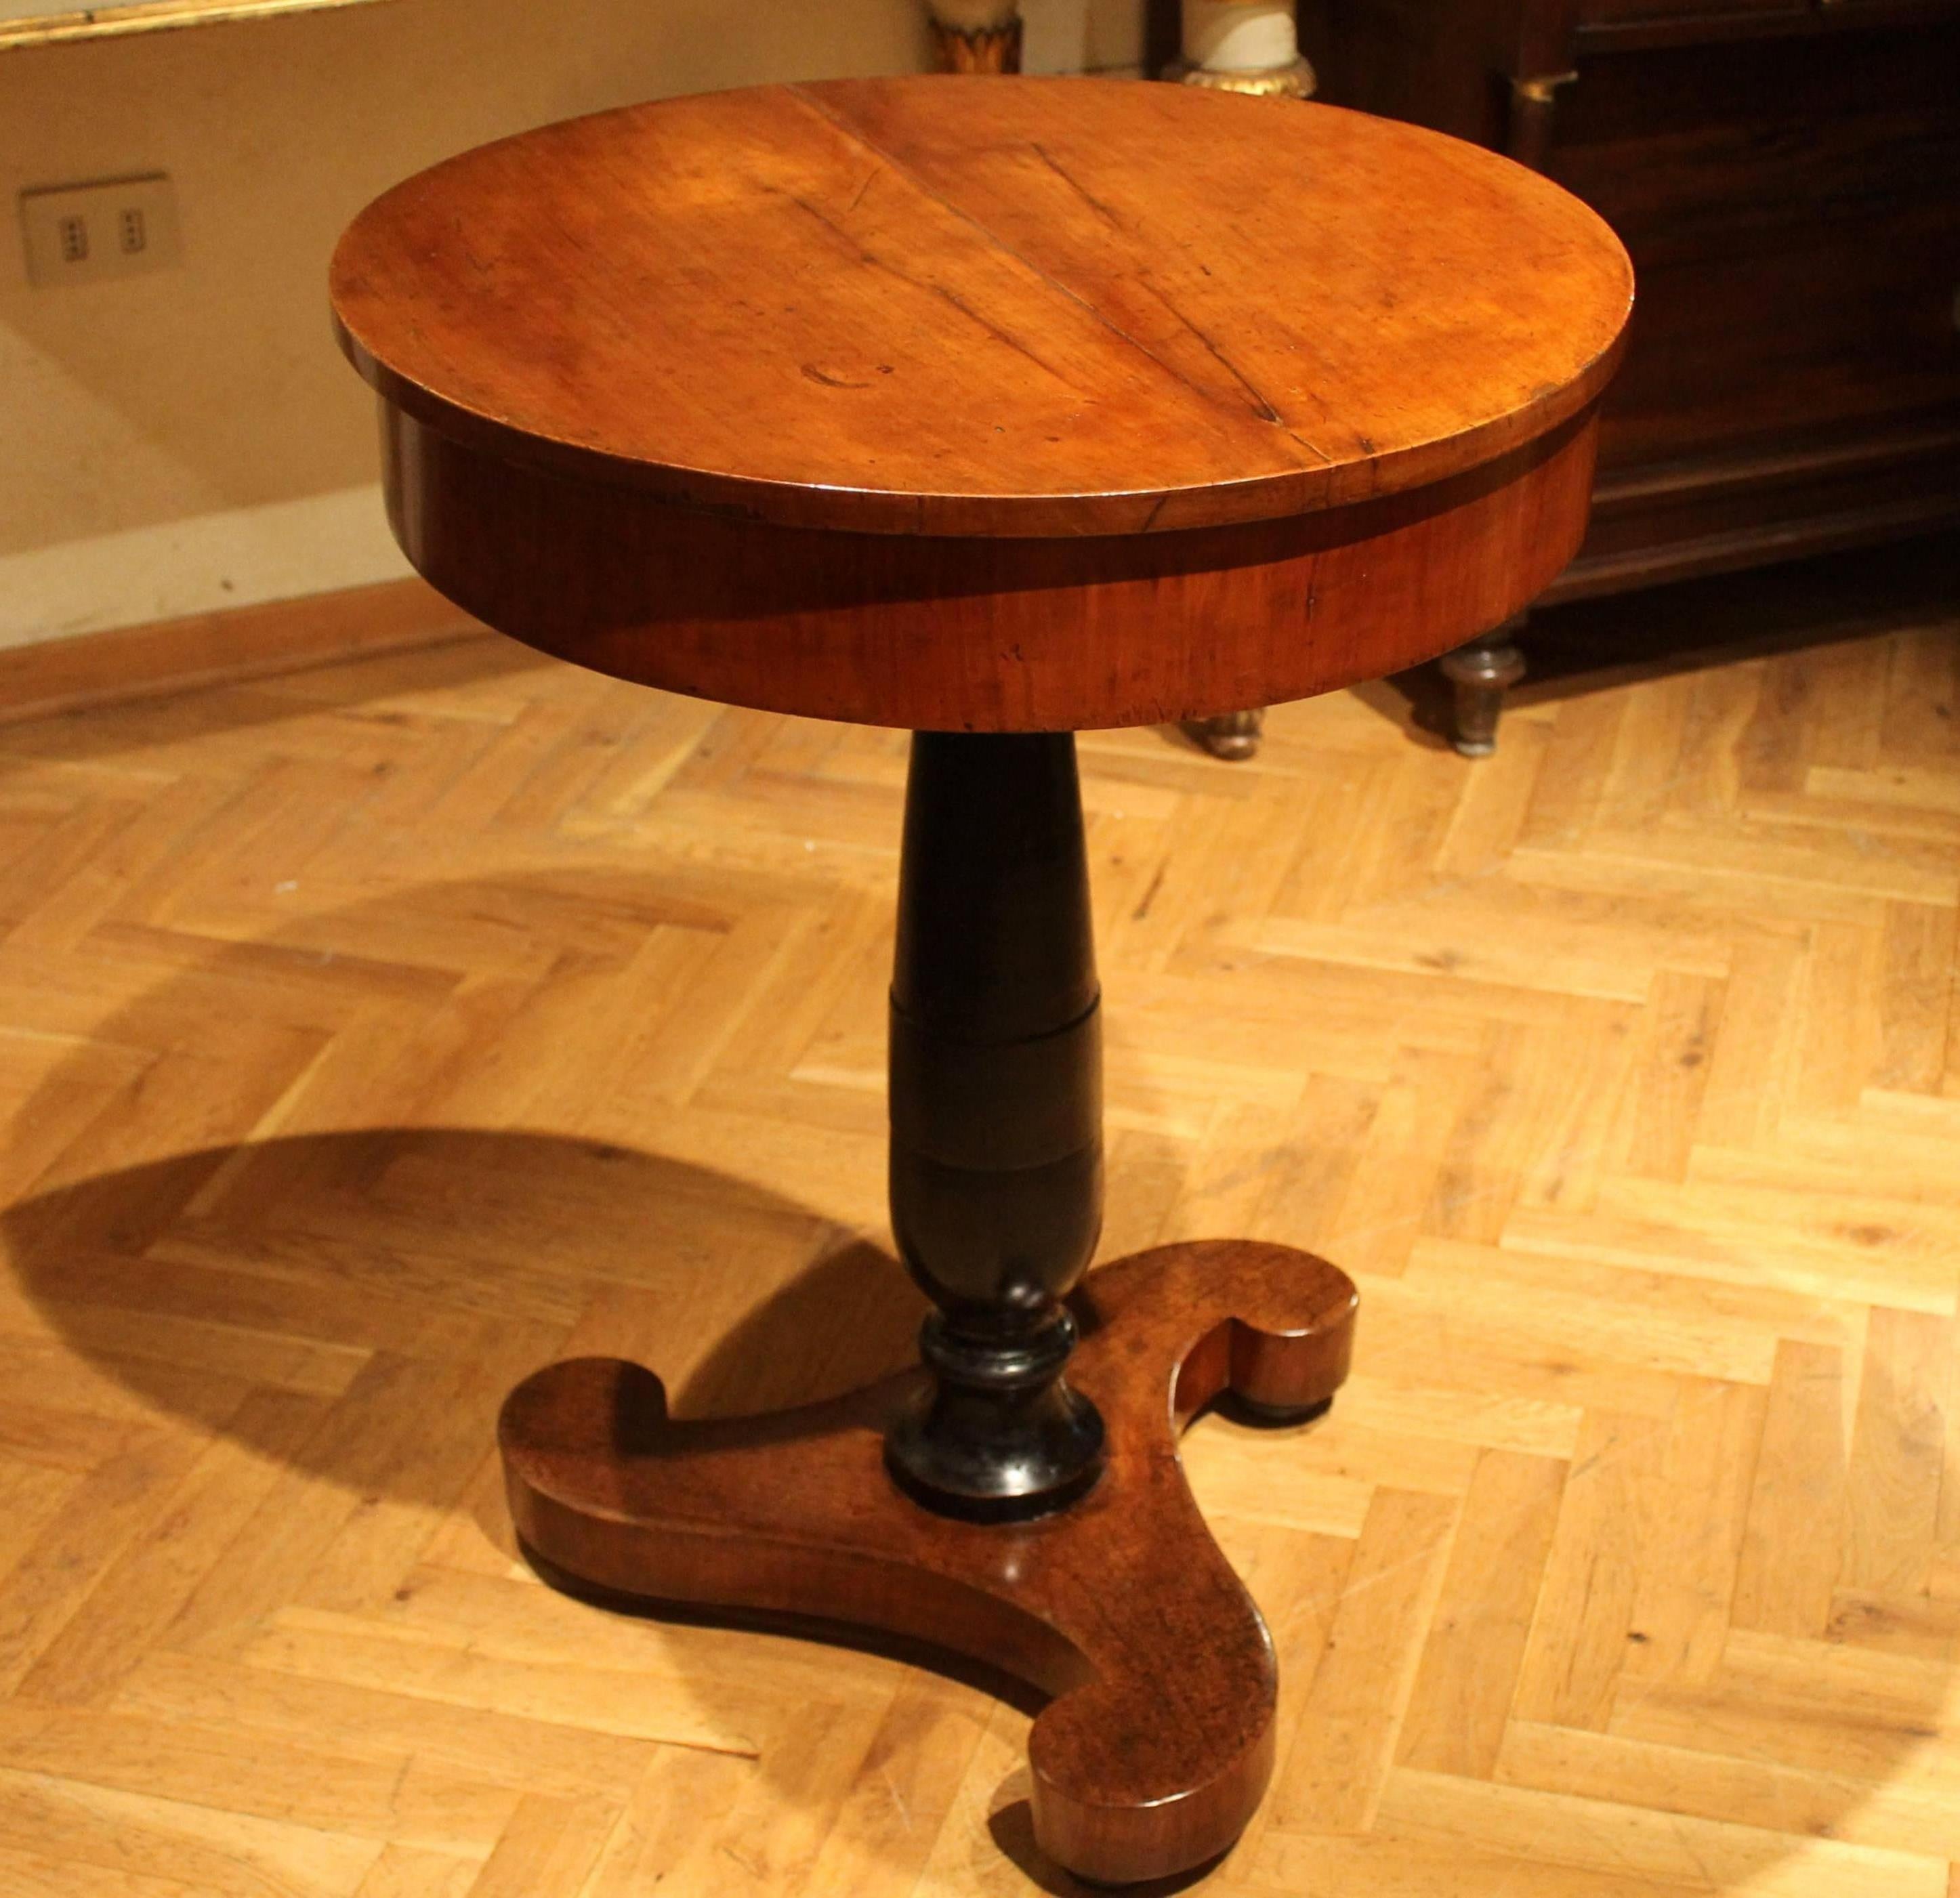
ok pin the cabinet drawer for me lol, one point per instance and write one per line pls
(1751, 182)
(1857, 323)
(1793, 209)
(1859, 67)
(1625, 24)
(1614, 13)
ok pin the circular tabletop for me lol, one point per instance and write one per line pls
(985, 307)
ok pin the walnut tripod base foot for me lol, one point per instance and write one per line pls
(1158, 1744)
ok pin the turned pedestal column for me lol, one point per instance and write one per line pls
(947, 404)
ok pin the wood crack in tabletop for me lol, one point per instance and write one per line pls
(1263, 408)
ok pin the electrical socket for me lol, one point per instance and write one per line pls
(79, 233)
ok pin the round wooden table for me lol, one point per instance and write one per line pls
(993, 409)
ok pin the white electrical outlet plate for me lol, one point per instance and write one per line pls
(80, 233)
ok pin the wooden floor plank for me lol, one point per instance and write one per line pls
(372, 1033)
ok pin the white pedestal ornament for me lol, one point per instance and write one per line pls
(1243, 45)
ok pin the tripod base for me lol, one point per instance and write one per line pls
(1158, 1744)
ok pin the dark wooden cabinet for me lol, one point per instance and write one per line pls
(1787, 175)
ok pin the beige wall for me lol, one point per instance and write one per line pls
(171, 442)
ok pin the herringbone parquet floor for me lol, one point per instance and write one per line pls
(372, 1034)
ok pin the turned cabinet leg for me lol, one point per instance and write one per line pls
(996, 1120)
(1480, 673)
(1234, 736)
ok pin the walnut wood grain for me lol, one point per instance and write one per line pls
(957, 633)
(1004, 307)
(1158, 1742)
(954, 405)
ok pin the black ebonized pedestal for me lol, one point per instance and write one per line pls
(1010, 1499)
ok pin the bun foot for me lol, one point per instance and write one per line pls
(1234, 736)
(1157, 1744)
(1480, 674)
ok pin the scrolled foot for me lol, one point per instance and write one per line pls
(1158, 1744)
